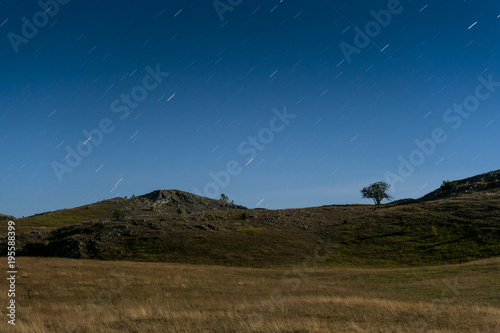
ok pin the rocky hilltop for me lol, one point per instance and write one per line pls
(184, 200)
(481, 183)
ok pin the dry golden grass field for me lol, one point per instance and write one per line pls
(67, 295)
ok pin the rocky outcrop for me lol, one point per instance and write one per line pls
(186, 201)
(484, 182)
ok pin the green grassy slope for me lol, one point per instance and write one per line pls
(177, 226)
(444, 231)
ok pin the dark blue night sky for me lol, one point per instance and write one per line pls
(276, 104)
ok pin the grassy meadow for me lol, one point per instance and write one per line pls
(68, 295)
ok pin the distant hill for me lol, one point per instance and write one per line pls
(456, 223)
(165, 200)
(153, 205)
(481, 183)
(4, 217)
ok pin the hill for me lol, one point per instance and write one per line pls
(477, 184)
(4, 217)
(446, 226)
(153, 205)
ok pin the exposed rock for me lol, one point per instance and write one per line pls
(214, 227)
(185, 201)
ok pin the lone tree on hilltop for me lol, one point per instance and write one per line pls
(225, 198)
(376, 191)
